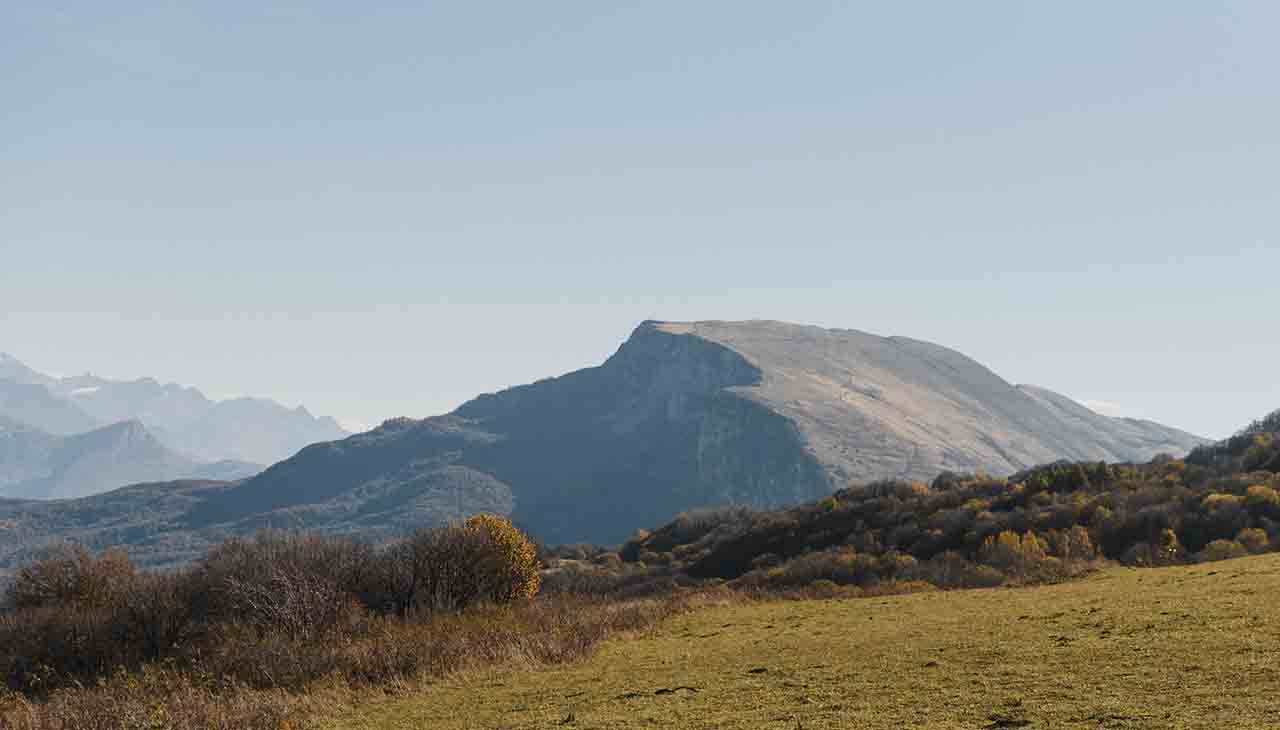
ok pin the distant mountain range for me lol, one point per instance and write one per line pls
(38, 407)
(684, 415)
(246, 429)
(70, 437)
(38, 465)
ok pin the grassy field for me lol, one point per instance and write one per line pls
(1190, 647)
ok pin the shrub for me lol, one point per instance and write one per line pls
(1013, 553)
(1216, 501)
(510, 565)
(302, 585)
(69, 575)
(951, 570)
(1254, 539)
(1171, 550)
(1140, 555)
(154, 612)
(1262, 499)
(1222, 550)
(1072, 544)
(485, 559)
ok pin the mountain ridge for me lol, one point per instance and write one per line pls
(36, 465)
(692, 414)
(934, 408)
(248, 429)
(708, 414)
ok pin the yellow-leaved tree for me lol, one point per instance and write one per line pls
(511, 572)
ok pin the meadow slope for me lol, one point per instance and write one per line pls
(1182, 647)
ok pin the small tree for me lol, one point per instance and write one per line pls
(512, 568)
(1013, 553)
(1171, 550)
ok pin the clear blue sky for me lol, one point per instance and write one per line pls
(384, 210)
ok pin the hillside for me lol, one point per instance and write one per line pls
(140, 518)
(1220, 501)
(36, 465)
(686, 415)
(1185, 647)
(872, 407)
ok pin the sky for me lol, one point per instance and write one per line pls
(382, 209)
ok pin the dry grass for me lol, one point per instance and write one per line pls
(1184, 647)
(160, 699)
(276, 683)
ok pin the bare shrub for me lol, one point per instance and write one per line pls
(1222, 550)
(46, 647)
(840, 567)
(1254, 539)
(69, 575)
(302, 585)
(952, 570)
(153, 613)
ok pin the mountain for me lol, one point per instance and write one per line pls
(35, 405)
(252, 430)
(24, 452)
(13, 370)
(683, 415)
(687, 415)
(37, 465)
(872, 407)
(1128, 436)
(153, 520)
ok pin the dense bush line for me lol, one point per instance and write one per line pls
(274, 611)
(244, 681)
(1048, 523)
(267, 632)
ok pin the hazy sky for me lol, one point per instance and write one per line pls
(380, 212)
